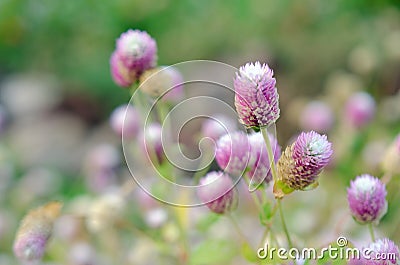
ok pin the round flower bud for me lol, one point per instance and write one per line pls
(137, 50)
(382, 252)
(215, 127)
(317, 116)
(218, 192)
(34, 232)
(360, 109)
(302, 162)
(233, 153)
(261, 170)
(367, 199)
(124, 121)
(165, 82)
(256, 97)
(121, 75)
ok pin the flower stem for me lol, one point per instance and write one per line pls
(238, 230)
(270, 153)
(285, 229)
(371, 231)
(254, 195)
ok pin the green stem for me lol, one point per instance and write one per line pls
(371, 231)
(253, 195)
(239, 231)
(270, 153)
(285, 229)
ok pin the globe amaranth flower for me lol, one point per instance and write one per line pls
(317, 116)
(217, 191)
(136, 52)
(163, 81)
(261, 170)
(302, 162)
(233, 153)
(151, 143)
(121, 75)
(360, 109)
(125, 121)
(256, 97)
(34, 232)
(367, 199)
(218, 125)
(381, 252)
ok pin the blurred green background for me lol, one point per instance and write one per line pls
(304, 40)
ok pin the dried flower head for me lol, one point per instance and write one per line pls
(164, 81)
(34, 232)
(382, 252)
(218, 192)
(367, 199)
(391, 160)
(302, 162)
(256, 97)
(233, 153)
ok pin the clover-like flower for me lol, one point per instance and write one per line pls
(256, 97)
(367, 199)
(360, 109)
(125, 121)
(382, 252)
(217, 191)
(302, 162)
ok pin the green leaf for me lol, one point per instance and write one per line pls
(213, 252)
(281, 189)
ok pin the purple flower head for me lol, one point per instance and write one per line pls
(302, 162)
(233, 153)
(218, 192)
(121, 75)
(317, 116)
(216, 126)
(360, 109)
(124, 120)
(137, 50)
(261, 170)
(256, 97)
(382, 252)
(30, 247)
(367, 199)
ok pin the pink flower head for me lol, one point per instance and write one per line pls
(137, 50)
(382, 252)
(218, 192)
(124, 121)
(216, 126)
(30, 247)
(302, 162)
(367, 199)
(233, 153)
(360, 109)
(256, 97)
(317, 116)
(261, 170)
(121, 75)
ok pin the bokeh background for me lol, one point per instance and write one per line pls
(56, 92)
